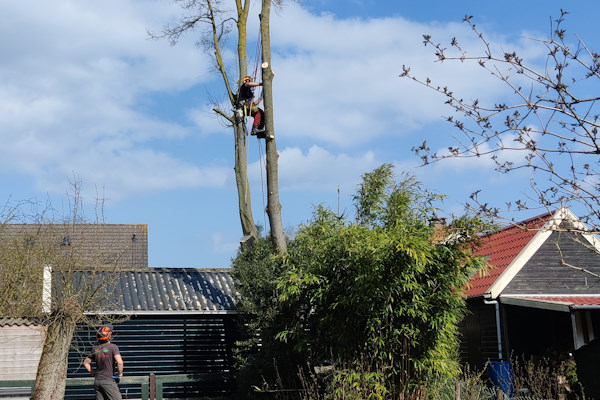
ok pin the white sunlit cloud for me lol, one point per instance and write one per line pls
(340, 84)
(515, 153)
(76, 90)
(207, 121)
(70, 87)
(317, 169)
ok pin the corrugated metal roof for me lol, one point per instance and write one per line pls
(163, 290)
(501, 248)
(7, 321)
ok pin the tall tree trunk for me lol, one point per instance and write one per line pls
(273, 205)
(241, 179)
(51, 377)
(218, 19)
(241, 159)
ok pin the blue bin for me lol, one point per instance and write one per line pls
(501, 374)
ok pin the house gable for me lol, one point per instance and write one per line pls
(544, 283)
(564, 264)
(511, 248)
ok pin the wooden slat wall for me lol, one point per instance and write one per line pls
(20, 351)
(166, 345)
(479, 341)
(544, 274)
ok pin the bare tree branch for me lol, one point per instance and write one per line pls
(549, 128)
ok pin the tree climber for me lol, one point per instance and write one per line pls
(248, 106)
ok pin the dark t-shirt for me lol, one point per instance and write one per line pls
(246, 93)
(104, 356)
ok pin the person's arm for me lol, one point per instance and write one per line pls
(87, 363)
(253, 84)
(257, 101)
(119, 361)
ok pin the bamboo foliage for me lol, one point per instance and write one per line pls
(378, 298)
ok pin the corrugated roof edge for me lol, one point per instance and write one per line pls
(213, 293)
(9, 321)
(208, 269)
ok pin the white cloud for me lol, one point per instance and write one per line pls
(206, 120)
(222, 246)
(71, 86)
(82, 90)
(338, 82)
(317, 169)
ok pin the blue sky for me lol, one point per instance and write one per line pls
(85, 95)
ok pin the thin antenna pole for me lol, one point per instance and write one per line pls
(338, 211)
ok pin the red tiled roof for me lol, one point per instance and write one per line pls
(556, 302)
(501, 248)
(571, 300)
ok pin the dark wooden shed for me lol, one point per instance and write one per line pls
(180, 321)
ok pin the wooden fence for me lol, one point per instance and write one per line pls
(152, 386)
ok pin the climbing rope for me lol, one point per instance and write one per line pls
(262, 183)
(261, 155)
(257, 53)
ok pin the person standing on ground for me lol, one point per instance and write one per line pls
(106, 354)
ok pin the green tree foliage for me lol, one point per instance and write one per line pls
(384, 292)
(262, 358)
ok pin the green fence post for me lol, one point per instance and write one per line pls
(159, 390)
(145, 391)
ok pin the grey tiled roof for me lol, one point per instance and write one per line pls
(122, 244)
(163, 290)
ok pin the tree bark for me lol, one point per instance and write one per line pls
(51, 378)
(241, 159)
(241, 179)
(273, 205)
(217, 22)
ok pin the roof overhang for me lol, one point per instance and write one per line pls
(163, 312)
(561, 302)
